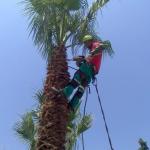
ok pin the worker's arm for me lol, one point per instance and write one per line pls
(96, 51)
(103, 45)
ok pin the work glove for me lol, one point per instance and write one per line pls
(79, 60)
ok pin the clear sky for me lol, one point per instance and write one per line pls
(124, 80)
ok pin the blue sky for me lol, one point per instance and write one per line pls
(124, 81)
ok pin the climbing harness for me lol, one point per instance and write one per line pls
(103, 114)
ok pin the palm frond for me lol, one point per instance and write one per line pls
(98, 4)
(25, 129)
(43, 24)
(107, 48)
(54, 22)
(84, 124)
(87, 23)
(76, 126)
(48, 21)
(39, 96)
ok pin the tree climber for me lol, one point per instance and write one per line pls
(88, 67)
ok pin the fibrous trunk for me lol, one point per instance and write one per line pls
(54, 111)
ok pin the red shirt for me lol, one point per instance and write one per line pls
(97, 58)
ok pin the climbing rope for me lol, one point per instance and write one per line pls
(103, 114)
(84, 112)
(72, 68)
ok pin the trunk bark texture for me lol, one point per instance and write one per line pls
(54, 111)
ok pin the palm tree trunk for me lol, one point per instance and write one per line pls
(54, 112)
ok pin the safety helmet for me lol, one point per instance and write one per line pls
(87, 38)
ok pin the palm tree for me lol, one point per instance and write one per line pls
(53, 24)
(26, 129)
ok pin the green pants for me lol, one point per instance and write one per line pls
(81, 79)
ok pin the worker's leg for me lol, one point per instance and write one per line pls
(73, 84)
(86, 75)
(75, 101)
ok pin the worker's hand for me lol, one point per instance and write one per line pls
(79, 58)
(89, 58)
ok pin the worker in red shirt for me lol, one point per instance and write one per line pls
(88, 67)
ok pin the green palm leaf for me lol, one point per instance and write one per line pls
(55, 22)
(77, 125)
(86, 25)
(84, 124)
(25, 129)
(39, 96)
